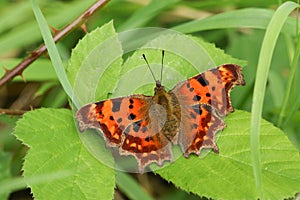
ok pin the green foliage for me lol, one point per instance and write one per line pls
(98, 52)
(55, 147)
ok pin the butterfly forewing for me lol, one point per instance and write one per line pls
(203, 100)
(211, 87)
(113, 116)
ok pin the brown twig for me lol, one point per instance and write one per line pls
(18, 69)
(12, 111)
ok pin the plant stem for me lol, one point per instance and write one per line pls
(11, 111)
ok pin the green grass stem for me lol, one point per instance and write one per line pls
(266, 53)
(52, 51)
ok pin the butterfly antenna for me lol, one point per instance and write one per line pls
(162, 64)
(144, 57)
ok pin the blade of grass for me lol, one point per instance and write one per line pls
(267, 49)
(52, 50)
(248, 18)
(287, 94)
(130, 187)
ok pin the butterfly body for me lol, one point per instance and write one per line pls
(146, 126)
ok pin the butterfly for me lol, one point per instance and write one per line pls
(189, 115)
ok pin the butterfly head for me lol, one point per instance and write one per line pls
(159, 88)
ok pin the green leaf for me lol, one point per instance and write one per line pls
(95, 62)
(55, 147)
(5, 160)
(229, 174)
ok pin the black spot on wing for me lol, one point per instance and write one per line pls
(116, 105)
(119, 120)
(144, 129)
(197, 98)
(136, 127)
(195, 126)
(193, 115)
(131, 116)
(197, 109)
(202, 81)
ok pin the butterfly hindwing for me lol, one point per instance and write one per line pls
(199, 124)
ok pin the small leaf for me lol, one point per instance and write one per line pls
(95, 62)
(229, 174)
(56, 148)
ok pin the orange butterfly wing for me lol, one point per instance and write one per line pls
(127, 123)
(204, 99)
